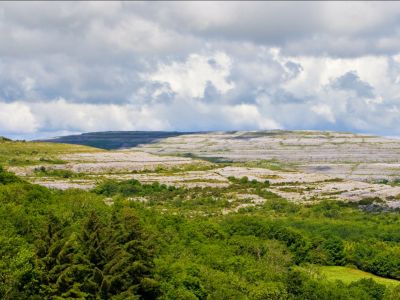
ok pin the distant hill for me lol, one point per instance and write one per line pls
(115, 139)
(4, 139)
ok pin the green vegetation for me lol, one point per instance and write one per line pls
(168, 170)
(21, 153)
(392, 182)
(61, 173)
(349, 275)
(272, 164)
(70, 245)
(4, 139)
(179, 245)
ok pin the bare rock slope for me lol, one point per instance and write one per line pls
(300, 165)
(343, 155)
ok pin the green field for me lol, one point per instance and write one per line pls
(348, 275)
(29, 153)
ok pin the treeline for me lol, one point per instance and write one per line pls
(71, 245)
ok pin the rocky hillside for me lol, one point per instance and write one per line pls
(343, 155)
(299, 165)
(112, 140)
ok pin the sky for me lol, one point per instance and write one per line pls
(72, 67)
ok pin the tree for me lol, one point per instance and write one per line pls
(335, 249)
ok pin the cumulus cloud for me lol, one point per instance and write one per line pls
(325, 111)
(62, 117)
(248, 116)
(190, 78)
(16, 118)
(89, 66)
(352, 82)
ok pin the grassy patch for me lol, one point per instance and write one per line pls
(202, 180)
(333, 180)
(20, 153)
(270, 176)
(271, 164)
(59, 173)
(392, 182)
(171, 170)
(348, 275)
(299, 190)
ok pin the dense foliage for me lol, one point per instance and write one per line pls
(177, 245)
(59, 245)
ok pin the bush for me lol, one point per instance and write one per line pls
(7, 177)
(374, 289)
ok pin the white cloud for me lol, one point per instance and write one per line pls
(17, 118)
(190, 78)
(248, 116)
(61, 115)
(88, 66)
(325, 111)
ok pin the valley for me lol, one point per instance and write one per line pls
(216, 215)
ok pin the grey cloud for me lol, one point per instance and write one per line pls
(95, 56)
(281, 96)
(352, 82)
(308, 28)
(294, 68)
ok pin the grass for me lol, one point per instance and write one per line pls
(59, 173)
(299, 190)
(348, 275)
(20, 153)
(203, 180)
(272, 164)
(172, 170)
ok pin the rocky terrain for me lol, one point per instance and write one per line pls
(343, 155)
(300, 166)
